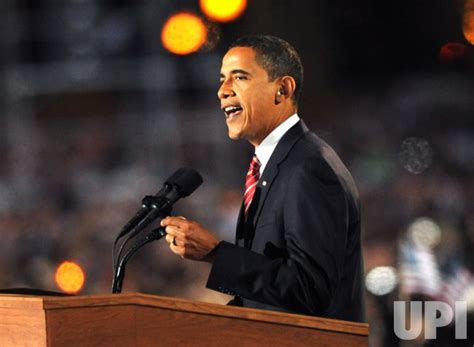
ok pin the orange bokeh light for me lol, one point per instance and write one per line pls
(183, 33)
(69, 277)
(468, 21)
(223, 10)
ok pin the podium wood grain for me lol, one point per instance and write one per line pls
(147, 320)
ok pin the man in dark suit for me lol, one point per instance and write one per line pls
(297, 244)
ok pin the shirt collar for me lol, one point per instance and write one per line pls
(267, 146)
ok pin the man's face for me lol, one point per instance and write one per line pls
(247, 96)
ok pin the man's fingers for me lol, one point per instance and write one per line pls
(177, 249)
(188, 239)
(179, 222)
(170, 238)
(173, 231)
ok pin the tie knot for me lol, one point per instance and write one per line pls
(255, 163)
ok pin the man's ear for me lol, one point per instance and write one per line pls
(286, 89)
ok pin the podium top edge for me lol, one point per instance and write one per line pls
(178, 304)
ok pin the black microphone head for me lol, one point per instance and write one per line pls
(170, 182)
(174, 177)
(188, 181)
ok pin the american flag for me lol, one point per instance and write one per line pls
(456, 281)
(418, 270)
(420, 274)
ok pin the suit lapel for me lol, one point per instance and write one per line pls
(271, 170)
(240, 225)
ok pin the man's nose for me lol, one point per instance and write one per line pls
(225, 91)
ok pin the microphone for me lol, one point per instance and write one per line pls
(148, 200)
(179, 185)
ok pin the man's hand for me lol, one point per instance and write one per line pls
(189, 239)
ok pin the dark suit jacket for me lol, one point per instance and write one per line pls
(299, 251)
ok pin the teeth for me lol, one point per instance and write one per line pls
(230, 109)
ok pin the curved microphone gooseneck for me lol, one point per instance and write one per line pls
(179, 185)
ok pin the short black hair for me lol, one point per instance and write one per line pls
(276, 56)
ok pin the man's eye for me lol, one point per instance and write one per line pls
(240, 77)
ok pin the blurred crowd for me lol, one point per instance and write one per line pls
(409, 146)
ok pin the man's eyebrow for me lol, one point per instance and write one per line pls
(236, 71)
(239, 71)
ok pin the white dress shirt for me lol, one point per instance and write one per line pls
(265, 149)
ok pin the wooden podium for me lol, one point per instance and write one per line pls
(147, 320)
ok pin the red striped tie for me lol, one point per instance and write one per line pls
(251, 182)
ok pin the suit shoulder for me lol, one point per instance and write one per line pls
(313, 155)
(306, 162)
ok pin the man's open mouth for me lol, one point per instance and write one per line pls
(231, 111)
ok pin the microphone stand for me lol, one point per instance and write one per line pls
(153, 213)
(118, 266)
(119, 274)
(182, 183)
(147, 204)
